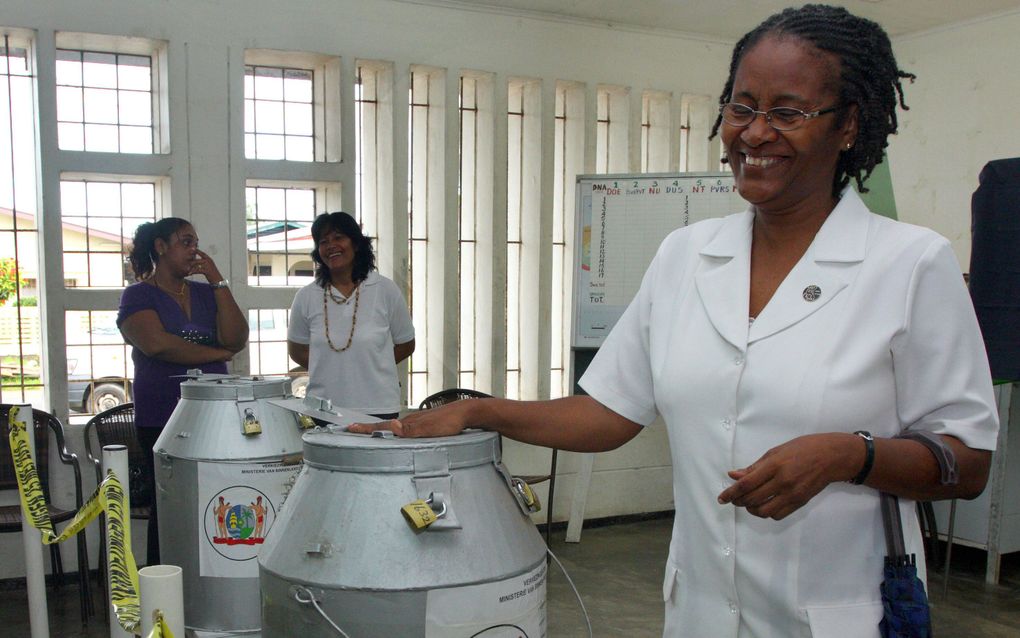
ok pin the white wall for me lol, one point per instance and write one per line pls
(963, 113)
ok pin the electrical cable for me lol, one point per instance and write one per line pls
(580, 602)
(311, 600)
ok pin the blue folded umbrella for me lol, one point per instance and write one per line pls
(904, 601)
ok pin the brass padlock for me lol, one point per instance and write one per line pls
(526, 495)
(250, 424)
(420, 513)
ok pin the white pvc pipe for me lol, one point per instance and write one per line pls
(115, 457)
(162, 588)
(35, 570)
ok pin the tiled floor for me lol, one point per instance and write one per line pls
(618, 571)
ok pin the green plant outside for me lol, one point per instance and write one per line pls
(10, 279)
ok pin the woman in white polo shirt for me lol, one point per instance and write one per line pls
(350, 327)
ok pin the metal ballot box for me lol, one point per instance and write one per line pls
(223, 464)
(389, 537)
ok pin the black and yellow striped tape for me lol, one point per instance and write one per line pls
(109, 498)
(159, 626)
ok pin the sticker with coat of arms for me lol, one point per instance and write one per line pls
(238, 503)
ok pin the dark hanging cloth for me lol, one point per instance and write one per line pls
(995, 264)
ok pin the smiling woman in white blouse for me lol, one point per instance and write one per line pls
(350, 327)
(784, 429)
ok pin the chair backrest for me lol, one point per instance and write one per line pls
(43, 422)
(449, 396)
(116, 426)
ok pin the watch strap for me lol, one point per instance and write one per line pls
(869, 457)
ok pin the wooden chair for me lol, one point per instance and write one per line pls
(116, 426)
(10, 515)
(457, 394)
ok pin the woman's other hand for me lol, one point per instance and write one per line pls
(788, 476)
(225, 355)
(204, 265)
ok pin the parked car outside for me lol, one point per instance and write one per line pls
(92, 396)
(99, 367)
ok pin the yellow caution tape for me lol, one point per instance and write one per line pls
(28, 480)
(108, 497)
(159, 627)
(122, 568)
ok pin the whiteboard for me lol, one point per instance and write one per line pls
(620, 222)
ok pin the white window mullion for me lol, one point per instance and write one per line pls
(394, 89)
(514, 240)
(479, 314)
(475, 233)
(427, 228)
(656, 132)
(702, 153)
(569, 160)
(345, 86)
(524, 219)
(51, 245)
(634, 111)
(680, 129)
(435, 220)
(613, 124)
(418, 230)
(467, 230)
(592, 95)
(375, 161)
(447, 219)
(500, 205)
(542, 232)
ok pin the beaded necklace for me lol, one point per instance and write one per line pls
(327, 294)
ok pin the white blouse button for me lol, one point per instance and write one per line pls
(726, 423)
(727, 551)
(738, 361)
(733, 607)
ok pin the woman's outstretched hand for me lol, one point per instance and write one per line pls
(446, 420)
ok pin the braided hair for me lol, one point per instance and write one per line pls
(869, 78)
(143, 255)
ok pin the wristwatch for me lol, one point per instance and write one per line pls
(869, 457)
(223, 283)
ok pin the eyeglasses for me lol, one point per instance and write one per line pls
(781, 118)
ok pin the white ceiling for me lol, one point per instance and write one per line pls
(730, 19)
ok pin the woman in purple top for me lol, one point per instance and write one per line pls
(173, 324)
